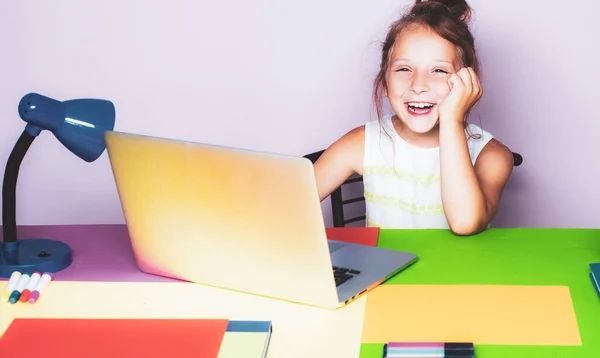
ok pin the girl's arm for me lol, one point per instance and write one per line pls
(343, 158)
(471, 194)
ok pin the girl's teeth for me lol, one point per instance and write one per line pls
(420, 105)
(419, 110)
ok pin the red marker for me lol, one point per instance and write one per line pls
(33, 280)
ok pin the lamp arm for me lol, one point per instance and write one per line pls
(9, 186)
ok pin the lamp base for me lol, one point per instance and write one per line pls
(31, 255)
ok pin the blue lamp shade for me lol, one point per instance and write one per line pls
(78, 124)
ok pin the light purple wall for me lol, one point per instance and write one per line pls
(292, 77)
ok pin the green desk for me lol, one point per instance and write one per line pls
(557, 257)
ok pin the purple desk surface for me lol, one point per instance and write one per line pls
(100, 252)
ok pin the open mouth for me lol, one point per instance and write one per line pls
(419, 108)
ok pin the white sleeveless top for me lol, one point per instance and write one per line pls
(408, 197)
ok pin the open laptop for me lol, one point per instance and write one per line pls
(238, 219)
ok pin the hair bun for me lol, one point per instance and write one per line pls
(458, 9)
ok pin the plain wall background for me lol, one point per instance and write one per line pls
(291, 77)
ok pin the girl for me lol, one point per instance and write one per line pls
(425, 166)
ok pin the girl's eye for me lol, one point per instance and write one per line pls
(439, 70)
(402, 69)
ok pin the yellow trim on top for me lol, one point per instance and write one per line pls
(370, 223)
(404, 205)
(405, 176)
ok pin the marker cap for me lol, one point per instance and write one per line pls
(25, 295)
(34, 296)
(14, 297)
(449, 347)
(459, 350)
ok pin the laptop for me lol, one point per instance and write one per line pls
(238, 219)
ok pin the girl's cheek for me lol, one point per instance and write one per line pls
(398, 83)
(397, 89)
(441, 89)
(401, 88)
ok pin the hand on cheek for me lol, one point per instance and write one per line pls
(465, 91)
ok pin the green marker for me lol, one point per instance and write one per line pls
(14, 297)
(10, 286)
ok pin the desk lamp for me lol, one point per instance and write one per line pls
(79, 125)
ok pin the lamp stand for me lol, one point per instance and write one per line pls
(26, 255)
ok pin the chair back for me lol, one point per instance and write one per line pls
(339, 201)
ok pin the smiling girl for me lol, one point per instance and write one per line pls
(425, 166)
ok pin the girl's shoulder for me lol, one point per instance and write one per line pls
(477, 133)
(374, 128)
(477, 139)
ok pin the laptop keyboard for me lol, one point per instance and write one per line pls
(342, 274)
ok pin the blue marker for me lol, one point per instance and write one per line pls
(14, 297)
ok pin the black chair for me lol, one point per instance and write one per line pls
(338, 203)
(518, 159)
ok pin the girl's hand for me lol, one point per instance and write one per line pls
(465, 91)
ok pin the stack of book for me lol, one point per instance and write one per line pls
(96, 338)
(595, 275)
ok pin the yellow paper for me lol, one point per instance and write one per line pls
(298, 330)
(482, 314)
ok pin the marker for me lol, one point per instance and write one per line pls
(428, 350)
(10, 286)
(33, 280)
(14, 296)
(40, 287)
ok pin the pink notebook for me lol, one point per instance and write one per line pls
(102, 338)
(357, 235)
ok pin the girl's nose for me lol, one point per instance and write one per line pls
(419, 84)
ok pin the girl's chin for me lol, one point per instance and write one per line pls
(420, 124)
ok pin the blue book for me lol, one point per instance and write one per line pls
(246, 339)
(595, 275)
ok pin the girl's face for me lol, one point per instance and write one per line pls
(421, 62)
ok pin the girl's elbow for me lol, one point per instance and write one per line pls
(470, 222)
(466, 227)
(463, 230)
